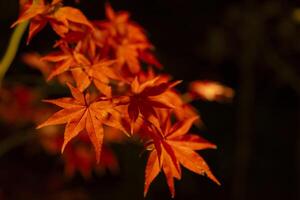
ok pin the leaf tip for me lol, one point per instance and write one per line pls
(145, 193)
(39, 126)
(63, 147)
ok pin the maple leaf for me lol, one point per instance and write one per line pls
(93, 41)
(31, 10)
(100, 72)
(65, 59)
(80, 113)
(127, 54)
(61, 18)
(68, 15)
(117, 21)
(128, 40)
(120, 25)
(173, 146)
(144, 98)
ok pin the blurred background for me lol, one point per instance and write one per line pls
(252, 46)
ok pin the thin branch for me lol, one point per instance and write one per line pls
(12, 49)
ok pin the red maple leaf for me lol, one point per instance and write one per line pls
(173, 146)
(145, 98)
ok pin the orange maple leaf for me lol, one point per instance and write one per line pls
(128, 41)
(61, 18)
(80, 113)
(117, 21)
(127, 53)
(65, 59)
(99, 72)
(173, 146)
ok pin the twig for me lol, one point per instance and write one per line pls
(12, 49)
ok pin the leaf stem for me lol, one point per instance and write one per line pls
(12, 49)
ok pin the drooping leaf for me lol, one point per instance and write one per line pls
(80, 114)
(175, 146)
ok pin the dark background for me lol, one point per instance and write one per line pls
(252, 46)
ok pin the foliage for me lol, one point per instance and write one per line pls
(116, 87)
